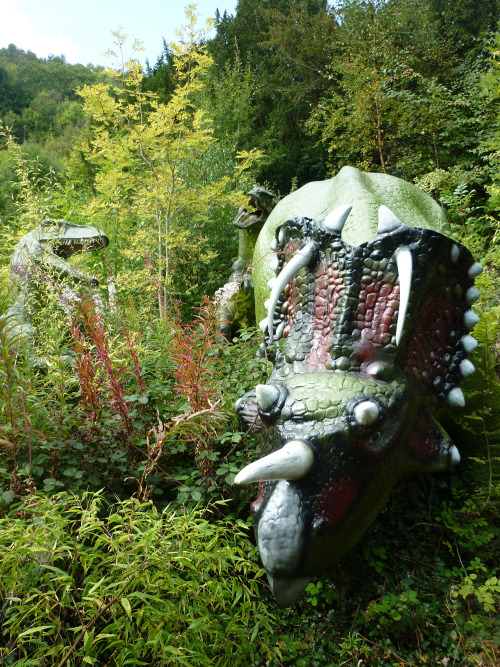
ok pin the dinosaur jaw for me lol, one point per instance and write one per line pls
(66, 247)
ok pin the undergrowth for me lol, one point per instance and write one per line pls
(84, 582)
(117, 459)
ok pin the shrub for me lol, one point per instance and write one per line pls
(82, 582)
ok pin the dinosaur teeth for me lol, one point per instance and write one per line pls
(301, 258)
(472, 295)
(387, 221)
(470, 319)
(291, 462)
(279, 330)
(274, 263)
(469, 343)
(335, 221)
(404, 262)
(263, 325)
(466, 368)
(474, 270)
(274, 245)
(456, 398)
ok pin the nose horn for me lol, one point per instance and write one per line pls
(293, 461)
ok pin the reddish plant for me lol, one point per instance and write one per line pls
(130, 343)
(87, 372)
(195, 352)
(88, 326)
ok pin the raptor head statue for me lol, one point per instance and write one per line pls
(67, 238)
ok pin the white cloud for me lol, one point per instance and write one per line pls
(18, 28)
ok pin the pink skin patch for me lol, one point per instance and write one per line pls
(428, 345)
(376, 311)
(255, 506)
(327, 290)
(335, 500)
(378, 303)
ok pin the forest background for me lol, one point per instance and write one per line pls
(122, 538)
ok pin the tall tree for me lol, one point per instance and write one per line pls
(260, 38)
(397, 104)
(156, 182)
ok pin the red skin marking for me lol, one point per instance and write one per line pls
(427, 346)
(326, 281)
(335, 500)
(374, 318)
(255, 506)
(375, 315)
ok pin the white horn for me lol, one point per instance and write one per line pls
(474, 270)
(387, 221)
(404, 261)
(293, 461)
(454, 455)
(267, 396)
(299, 260)
(335, 221)
(366, 413)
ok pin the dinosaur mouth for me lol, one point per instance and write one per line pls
(66, 247)
(246, 219)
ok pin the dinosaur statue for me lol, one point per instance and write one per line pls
(236, 298)
(40, 256)
(368, 305)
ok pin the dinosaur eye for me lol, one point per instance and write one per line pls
(375, 437)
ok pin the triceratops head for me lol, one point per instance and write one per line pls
(370, 340)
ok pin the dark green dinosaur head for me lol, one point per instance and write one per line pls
(262, 202)
(67, 238)
(371, 339)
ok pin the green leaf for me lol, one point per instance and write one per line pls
(126, 605)
(198, 624)
(32, 631)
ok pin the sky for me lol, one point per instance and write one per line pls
(81, 29)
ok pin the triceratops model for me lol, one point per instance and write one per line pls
(369, 305)
(43, 252)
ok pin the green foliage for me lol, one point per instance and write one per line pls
(161, 184)
(142, 406)
(36, 92)
(388, 108)
(83, 582)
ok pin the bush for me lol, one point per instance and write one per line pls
(82, 582)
